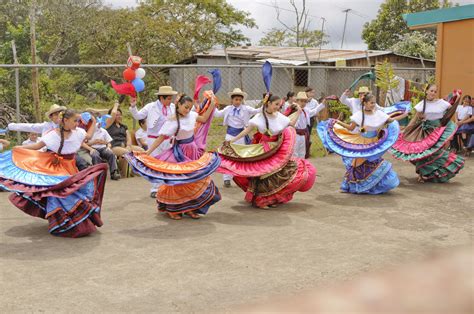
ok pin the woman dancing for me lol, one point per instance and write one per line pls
(266, 170)
(48, 184)
(362, 143)
(185, 168)
(424, 139)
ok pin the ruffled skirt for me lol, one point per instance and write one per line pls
(371, 177)
(366, 171)
(53, 189)
(431, 159)
(185, 186)
(267, 172)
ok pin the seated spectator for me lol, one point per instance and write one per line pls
(466, 128)
(121, 140)
(87, 122)
(140, 134)
(32, 139)
(99, 148)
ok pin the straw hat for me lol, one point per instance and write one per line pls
(363, 89)
(237, 92)
(301, 95)
(53, 109)
(166, 91)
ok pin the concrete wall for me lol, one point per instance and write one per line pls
(455, 55)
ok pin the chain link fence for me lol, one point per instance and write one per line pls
(325, 81)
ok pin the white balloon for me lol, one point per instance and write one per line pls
(140, 73)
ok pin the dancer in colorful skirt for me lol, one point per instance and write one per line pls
(183, 171)
(49, 185)
(362, 144)
(424, 139)
(267, 170)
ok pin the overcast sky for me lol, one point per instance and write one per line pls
(265, 16)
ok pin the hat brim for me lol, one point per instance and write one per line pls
(99, 111)
(167, 94)
(244, 95)
(62, 108)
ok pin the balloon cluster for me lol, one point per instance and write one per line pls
(134, 75)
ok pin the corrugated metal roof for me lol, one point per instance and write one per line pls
(292, 53)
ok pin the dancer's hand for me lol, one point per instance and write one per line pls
(347, 92)
(133, 101)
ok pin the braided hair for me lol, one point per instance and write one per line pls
(182, 100)
(67, 114)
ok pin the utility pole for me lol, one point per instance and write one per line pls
(345, 23)
(322, 37)
(34, 71)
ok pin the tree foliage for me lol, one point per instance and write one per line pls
(87, 31)
(389, 28)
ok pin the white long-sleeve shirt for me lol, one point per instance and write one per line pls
(236, 117)
(40, 128)
(155, 114)
(353, 103)
(306, 114)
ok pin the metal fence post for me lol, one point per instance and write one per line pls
(17, 89)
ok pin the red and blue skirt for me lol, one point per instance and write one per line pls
(49, 186)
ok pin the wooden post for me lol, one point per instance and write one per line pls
(17, 89)
(34, 71)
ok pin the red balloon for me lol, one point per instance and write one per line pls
(129, 74)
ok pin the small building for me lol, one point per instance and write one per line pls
(335, 69)
(454, 46)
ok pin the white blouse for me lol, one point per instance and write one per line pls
(372, 122)
(434, 109)
(277, 122)
(72, 144)
(463, 112)
(186, 126)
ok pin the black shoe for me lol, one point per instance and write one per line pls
(153, 194)
(115, 175)
(227, 183)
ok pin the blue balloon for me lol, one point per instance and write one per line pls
(138, 84)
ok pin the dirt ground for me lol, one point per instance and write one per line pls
(141, 261)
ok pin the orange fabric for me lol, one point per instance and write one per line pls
(179, 194)
(171, 167)
(43, 163)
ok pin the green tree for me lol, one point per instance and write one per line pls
(274, 37)
(86, 31)
(416, 44)
(389, 28)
